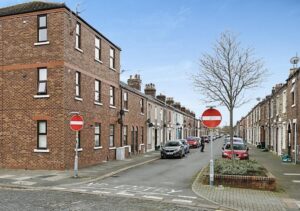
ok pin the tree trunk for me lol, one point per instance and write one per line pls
(231, 135)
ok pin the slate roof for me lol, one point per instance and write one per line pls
(29, 7)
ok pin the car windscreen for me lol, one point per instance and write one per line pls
(236, 147)
(172, 144)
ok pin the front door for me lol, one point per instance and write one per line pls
(132, 140)
(136, 140)
(155, 138)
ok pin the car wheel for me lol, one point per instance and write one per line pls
(162, 157)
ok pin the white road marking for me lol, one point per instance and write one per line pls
(174, 191)
(298, 204)
(181, 200)
(58, 188)
(56, 178)
(296, 181)
(23, 178)
(153, 197)
(21, 182)
(188, 197)
(292, 174)
(79, 190)
(98, 191)
(125, 194)
(6, 176)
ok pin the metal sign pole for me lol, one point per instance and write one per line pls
(76, 157)
(211, 174)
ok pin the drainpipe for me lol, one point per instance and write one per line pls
(269, 124)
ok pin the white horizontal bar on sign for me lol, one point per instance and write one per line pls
(211, 118)
(76, 123)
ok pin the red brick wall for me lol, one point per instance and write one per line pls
(18, 82)
(134, 118)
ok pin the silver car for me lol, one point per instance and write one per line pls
(173, 149)
(186, 145)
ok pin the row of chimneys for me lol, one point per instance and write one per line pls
(135, 82)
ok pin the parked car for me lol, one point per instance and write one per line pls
(206, 138)
(240, 150)
(194, 142)
(186, 145)
(172, 149)
(235, 139)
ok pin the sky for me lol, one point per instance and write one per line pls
(162, 40)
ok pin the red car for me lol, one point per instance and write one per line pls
(240, 151)
(194, 142)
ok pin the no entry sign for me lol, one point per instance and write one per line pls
(211, 118)
(76, 122)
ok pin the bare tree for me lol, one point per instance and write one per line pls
(226, 73)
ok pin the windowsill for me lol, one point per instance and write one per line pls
(97, 60)
(127, 146)
(41, 96)
(113, 69)
(78, 98)
(41, 150)
(78, 49)
(97, 103)
(126, 110)
(293, 105)
(112, 147)
(143, 114)
(114, 107)
(42, 43)
(100, 147)
(78, 150)
(142, 144)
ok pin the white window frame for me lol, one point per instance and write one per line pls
(77, 84)
(97, 48)
(42, 81)
(111, 135)
(42, 28)
(41, 134)
(97, 91)
(112, 56)
(284, 102)
(78, 36)
(97, 134)
(112, 96)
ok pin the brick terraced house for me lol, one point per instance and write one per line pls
(54, 63)
(279, 113)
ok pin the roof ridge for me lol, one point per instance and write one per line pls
(30, 6)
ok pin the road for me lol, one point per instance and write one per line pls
(27, 200)
(161, 185)
(167, 180)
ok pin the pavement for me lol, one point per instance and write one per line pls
(287, 196)
(18, 178)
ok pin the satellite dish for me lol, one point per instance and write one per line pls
(294, 60)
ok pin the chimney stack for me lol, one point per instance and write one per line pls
(170, 100)
(276, 87)
(177, 105)
(161, 97)
(150, 89)
(292, 71)
(183, 109)
(135, 82)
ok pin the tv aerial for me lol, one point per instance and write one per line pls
(294, 61)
